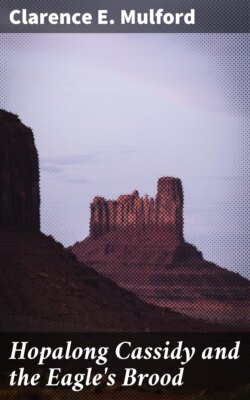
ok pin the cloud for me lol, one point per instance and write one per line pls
(71, 160)
(79, 159)
(199, 209)
(51, 169)
(78, 180)
(220, 178)
(127, 150)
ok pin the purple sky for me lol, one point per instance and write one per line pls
(113, 113)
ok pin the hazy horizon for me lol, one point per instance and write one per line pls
(113, 113)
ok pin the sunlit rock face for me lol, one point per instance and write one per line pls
(140, 214)
(19, 175)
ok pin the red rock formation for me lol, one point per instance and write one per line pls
(139, 244)
(19, 175)
(140, 213)
(169, 204)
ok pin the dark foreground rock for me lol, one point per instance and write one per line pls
(44, 288)
(19, 175)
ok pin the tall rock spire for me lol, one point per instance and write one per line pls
(19, 175)
(169, 203)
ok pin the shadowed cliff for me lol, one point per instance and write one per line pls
(19, 175)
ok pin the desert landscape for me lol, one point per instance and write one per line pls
(43, 286)
(133, 273)
(135, 259)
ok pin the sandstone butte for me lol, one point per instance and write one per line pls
(138, 243)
